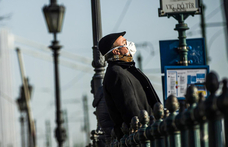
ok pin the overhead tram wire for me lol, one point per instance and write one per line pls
(209, 16)
(73, 81)
(63, 62)
(42, 113)
(121, 17)
(44, 48)
(212, 39)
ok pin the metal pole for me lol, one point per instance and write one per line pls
(98, 60)
(86, 119)
(59, 131)
(67, 144)
(32, 141)
(181, 28)
(139, 59)
(225, 4)
(203, 29)
(48, 134)
(22, 131)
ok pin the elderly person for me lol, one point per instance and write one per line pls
(126, 89)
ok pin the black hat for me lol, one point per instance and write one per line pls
(107, 41)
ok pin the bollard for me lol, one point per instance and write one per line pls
(222, 103)
(200, 117)
(144, 120)
(179, 122)
(173, 133)
(162, 128)
(149, 135)
(158, 114)
(193, 128)
(212, 113)
(125, 130)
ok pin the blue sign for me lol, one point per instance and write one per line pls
(169, 55)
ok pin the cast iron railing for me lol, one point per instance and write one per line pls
(193, 122)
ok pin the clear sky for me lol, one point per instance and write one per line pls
(140, 20)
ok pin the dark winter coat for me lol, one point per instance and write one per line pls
(127, 91)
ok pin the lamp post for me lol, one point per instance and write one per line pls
(22, 108)
(54, 17)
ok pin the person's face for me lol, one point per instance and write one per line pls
(120, 42)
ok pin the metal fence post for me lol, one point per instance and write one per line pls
(222, 103)
(128, 139)
(200, 117)
(114, 142)
(173, 134)
(125, 130)
(162, 128)
(212, 113)
(148, 133)
(158, 114)
(133, 137)
(179, 122)
(144, 120)
(193, 128)
(112, 138)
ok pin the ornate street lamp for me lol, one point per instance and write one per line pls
(54, 18)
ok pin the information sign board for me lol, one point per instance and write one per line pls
(169, 55)
(178, 78)
(179, 6)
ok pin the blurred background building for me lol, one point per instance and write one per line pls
(7, 103)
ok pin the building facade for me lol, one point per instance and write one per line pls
(7, 103)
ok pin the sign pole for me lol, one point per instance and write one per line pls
(181, 27)
(180, 10)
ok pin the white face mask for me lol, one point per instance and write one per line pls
(131, 48)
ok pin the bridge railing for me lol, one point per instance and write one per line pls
(193, 122)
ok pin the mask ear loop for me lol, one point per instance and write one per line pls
(115, 48)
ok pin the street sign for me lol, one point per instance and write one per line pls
(179, 78)
(179, 7)
(169, 54)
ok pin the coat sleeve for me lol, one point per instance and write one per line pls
(119, 89)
